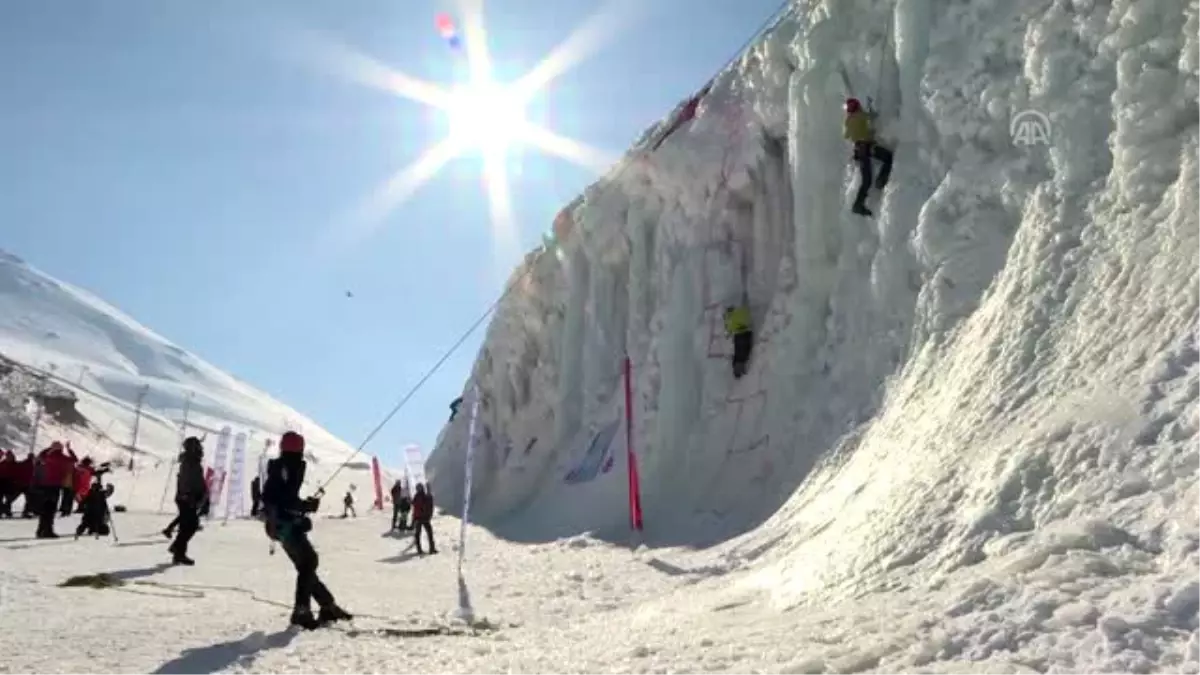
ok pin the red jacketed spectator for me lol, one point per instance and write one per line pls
(83, 479)
(56, 465)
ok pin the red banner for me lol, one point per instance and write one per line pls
(378, 483)
(635, 495)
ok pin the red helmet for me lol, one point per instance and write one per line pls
(853, 105)
(291, 442)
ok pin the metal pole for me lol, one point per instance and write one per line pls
(37, 422)
(137, 420)
(187, 405)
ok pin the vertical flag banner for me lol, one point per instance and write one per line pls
(378, 479)
(415, 463)
(235, 504)
(635, 496)
(220, 458)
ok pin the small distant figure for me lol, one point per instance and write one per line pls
(454, 405)
(401, 505)
(255, 496)
(348, 504)
(349, 294)
(422, 510)
(738, 327)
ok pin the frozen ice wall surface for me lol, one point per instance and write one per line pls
(1000, 368)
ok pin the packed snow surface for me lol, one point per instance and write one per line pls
(966, 442)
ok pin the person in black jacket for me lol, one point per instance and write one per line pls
(255, 497)
(94, 508)
(190, 492)
(288, 523)
(422, 510)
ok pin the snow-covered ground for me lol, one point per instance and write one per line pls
(576, 605)
(966, 443)
(82, 344)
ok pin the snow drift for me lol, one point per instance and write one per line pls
(80, 343)
(1006, 349)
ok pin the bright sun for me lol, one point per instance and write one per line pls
(487, 115)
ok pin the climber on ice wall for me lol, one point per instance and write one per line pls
(737, 326)
(858, 128)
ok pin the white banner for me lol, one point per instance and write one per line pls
(262, 467)
(414, 465)
(220, 458)
(466, 515)
(235, 505)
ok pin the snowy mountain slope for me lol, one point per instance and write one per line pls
(68, 336)
(999, 371)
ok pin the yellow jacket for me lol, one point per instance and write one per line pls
(857, 127)
(737, 321)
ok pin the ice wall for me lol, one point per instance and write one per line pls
(1006, 346)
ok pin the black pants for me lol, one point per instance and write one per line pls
(863, 155)
(742, 344)
(93, 524)
(66, 501)
(304, 558)
(7, 495)
(47, 501)
(255, 506)
(399, 518)
(189, 522)
(426, 525)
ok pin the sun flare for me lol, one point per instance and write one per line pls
(487, 115)
(484, 117)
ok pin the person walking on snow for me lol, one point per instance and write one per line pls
(288, 523)
(738, 327)
(422, 510)
(858, 128)
(190, 491)
(348, 504)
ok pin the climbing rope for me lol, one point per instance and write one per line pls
(196, 591)
(770, 23)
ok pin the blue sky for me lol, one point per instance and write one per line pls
(180, 161)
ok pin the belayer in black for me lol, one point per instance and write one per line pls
(190, 492)
(288, 523)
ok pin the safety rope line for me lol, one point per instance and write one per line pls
(767, 25)
(196, 591)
